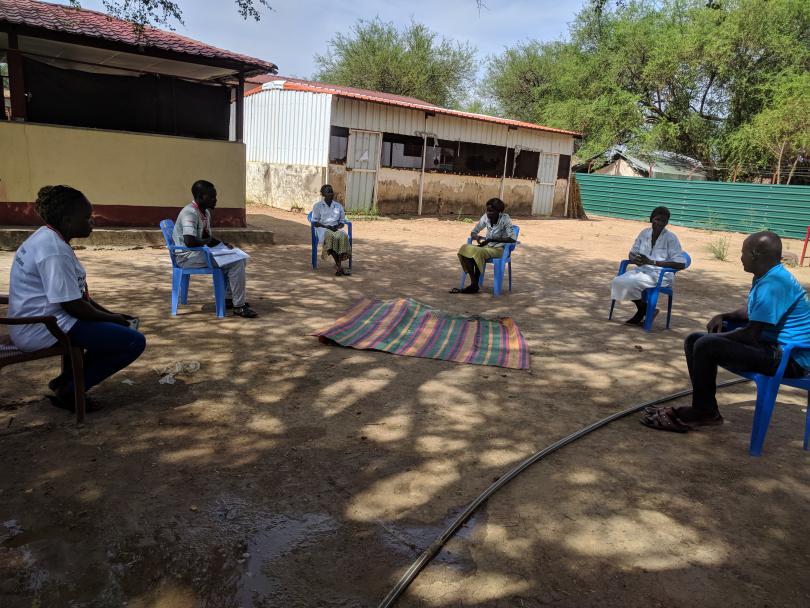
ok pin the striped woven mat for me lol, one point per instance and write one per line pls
(407, 327)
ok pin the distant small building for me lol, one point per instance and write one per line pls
(657, 165)
(130, 118)
(398, 155)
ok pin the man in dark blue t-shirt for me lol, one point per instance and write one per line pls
(778, 312)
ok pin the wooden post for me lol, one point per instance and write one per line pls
(505, 162)
(422, 173)
(240, 109)
(16, 79)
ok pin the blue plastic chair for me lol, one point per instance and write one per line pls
(181, 276)
(498, 266)
(314, 236)
(651, 294)
(767, 391)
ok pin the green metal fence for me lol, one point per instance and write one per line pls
(713, 205)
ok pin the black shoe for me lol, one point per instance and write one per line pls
(245, 311)
(228, 304)
(67, 403)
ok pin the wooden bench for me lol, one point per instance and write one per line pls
(72, 356)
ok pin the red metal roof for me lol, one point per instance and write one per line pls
(93, 24)
(295, 84)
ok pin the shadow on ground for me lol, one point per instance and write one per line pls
(289, 473)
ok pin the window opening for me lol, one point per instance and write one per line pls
(338, 145)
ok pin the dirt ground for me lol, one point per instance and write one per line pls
(287, 473)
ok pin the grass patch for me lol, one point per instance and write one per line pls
(719, 248)
(363, 215)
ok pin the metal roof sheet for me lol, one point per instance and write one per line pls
(295, 84)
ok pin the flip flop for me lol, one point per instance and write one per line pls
(714, 421)
(455, 290)
(662, 420)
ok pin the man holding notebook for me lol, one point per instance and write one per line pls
(193, 229)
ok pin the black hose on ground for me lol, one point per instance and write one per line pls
(428, 554)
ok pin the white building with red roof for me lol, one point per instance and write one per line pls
(130, 117)
(394, 154)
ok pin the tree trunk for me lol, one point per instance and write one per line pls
(778, 171)
(793, 168)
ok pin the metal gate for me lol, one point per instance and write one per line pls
(546, 180)
(362, 161)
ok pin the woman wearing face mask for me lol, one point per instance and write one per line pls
(47, 279)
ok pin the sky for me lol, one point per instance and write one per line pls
(294, 31)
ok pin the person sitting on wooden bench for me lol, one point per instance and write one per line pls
(47, 279)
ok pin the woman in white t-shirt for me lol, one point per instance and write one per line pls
(47, 279)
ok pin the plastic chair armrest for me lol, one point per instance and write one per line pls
(184, 248)
(208, 257)
(663, 272)
(508, 249)
(622, 267)
(787, 350)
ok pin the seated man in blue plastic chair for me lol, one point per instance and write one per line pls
(193, 229)
(473, 258)
(654, 248)
(778, 312)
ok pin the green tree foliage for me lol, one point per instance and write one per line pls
(413, 61)
(696, 77)
(165, 12)
(780, 130)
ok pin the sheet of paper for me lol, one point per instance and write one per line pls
(224, 256)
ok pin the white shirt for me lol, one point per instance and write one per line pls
(329, 215)
(192, 222)
(667, 249)
(501, 230)
(45, 272)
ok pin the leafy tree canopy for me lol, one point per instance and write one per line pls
(165, 12)
(700, 78)
(413, 61)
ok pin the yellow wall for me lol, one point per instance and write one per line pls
(117, 168)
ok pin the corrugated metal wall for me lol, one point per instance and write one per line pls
(357, 114)
(715, 205)
(288, 127)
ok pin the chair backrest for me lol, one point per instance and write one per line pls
(511, 246)
(167, 228)
(312, 232)
(688, 260)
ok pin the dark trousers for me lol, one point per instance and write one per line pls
(704, 352)
(108, 348)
